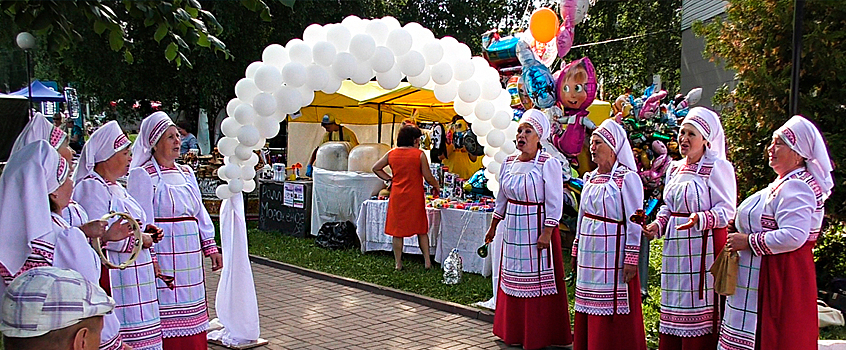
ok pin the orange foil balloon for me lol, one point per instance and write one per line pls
(544, 25)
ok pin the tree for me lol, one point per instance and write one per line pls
(759, 48)
(183, 22)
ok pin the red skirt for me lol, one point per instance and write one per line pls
(192, 342)
(594, 332)
(537, 322)
(672, 342)
(787, 301)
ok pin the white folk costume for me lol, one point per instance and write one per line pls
(706, 188)
(134, 288)
(34, 172)
(172, 197)
(605, 305)
(531, 299)
(774, 305)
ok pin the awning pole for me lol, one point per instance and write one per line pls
(393, 123)
(798, 14)
(379, 138)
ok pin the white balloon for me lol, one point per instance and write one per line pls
(332, 85)
(463, 51)
(268, 78)
(243, 153)
(382, 60)
(494, 168)
(392, 22)
(469, 91)
(412, 63)
(275, 54)
(314, 33)
(495, 138)
(482, 128)
(232, 171)
(236, 186)
(363, 73)
(344, 65)
(259, 145)
(268, 127)
(299, 52)
(294, 74)
(471, 118)
(323, 53)
(493, 186)
(223, 192)
(500, 156)
(248, 135)
(226, 145)
(245, 114)
(511, 131)
(508, 146)
(248, 172)
(421, 79)
(433, 51)
(362, 46)
(463, 108)
(246, 89)
(231, 105)
(390, 79)
(501, 120)
(339, 36)
(503, 102)
(288, 100)
(484, 143)
(399, 41)
(351, 22)
(306, 95)
(252, 68)
(253, 159)
(449, 44)
(446, 93)
(232, 160)
(486, 161)
(230, 126)
(378, 30)
(249, 185)
(441, 73)
(264, 104)
(489, 151)
(484, 110)
(463, 69)
(317, 77)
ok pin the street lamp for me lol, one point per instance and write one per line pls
(26, 42)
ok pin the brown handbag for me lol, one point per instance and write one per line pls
(724, 270)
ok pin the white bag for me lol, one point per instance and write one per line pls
(829, 316)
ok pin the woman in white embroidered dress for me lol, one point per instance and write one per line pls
(531, 304)
(699, 196)
(169, 194)
(34, 189)
(606, 249)
(105, 158)
(774, 305)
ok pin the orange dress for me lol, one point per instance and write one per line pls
(407, 204)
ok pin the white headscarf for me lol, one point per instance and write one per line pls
(709, 125)
(537, 120)
(152, 129)
(30, 176)
(805, 139)
(615, 136)
(39, 128)
(103, 144)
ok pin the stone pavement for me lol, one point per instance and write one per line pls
(301, 312)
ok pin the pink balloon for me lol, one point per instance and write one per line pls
(564, 40)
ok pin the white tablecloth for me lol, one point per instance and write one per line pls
(445, 228)
(337, 195)
(371, 229)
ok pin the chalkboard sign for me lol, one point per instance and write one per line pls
(208, 186)
(274, 215)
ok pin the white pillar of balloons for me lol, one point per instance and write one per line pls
(285, 80)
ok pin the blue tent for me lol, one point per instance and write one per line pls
(40, 93)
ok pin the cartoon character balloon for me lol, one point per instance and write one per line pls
(537, 79)
(576, 89)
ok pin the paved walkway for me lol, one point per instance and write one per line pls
(300, 312)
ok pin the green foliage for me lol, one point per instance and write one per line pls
(828, 254)
(759, 48)
(55, 20)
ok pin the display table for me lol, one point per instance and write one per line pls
(371, 229)
(337, 195)
(445, 227)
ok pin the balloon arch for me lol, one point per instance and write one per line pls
(359, 49)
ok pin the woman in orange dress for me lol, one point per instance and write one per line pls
(407, 204)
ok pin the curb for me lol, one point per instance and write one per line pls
(455, 308)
